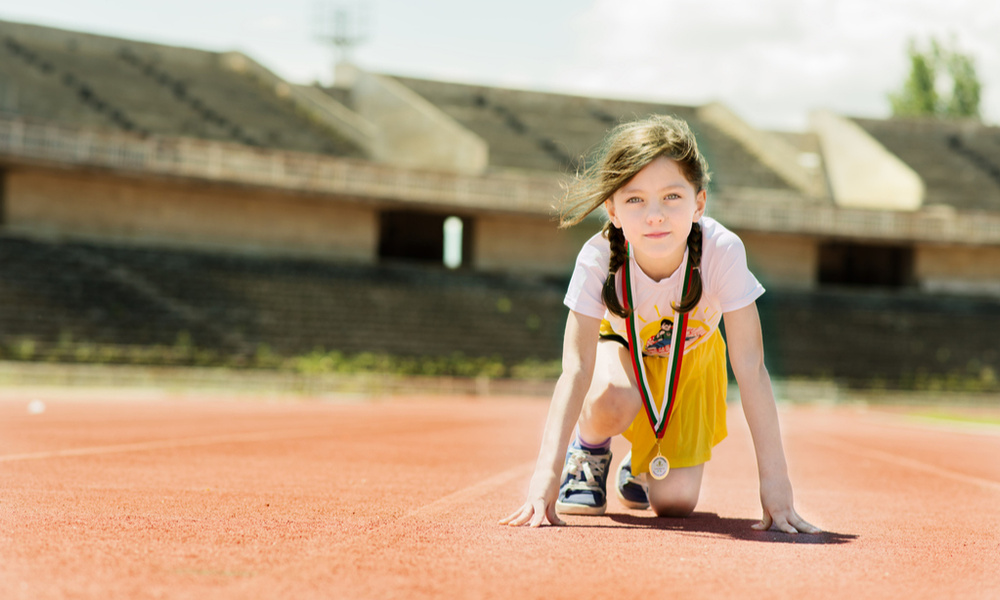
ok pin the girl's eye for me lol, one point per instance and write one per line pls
(633, 200)
(672, 197)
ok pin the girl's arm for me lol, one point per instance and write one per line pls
(579, 349)
(746, 353)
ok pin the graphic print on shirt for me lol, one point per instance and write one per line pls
(659, 332)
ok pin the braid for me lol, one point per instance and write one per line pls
(619, 255)
(694, 289)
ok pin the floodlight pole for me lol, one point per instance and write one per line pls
(343, 28)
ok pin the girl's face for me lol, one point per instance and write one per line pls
(655, 211)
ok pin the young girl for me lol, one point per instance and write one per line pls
(659, 268)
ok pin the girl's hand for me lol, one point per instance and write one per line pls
(540, 505)
(776, 500)
(533, 513)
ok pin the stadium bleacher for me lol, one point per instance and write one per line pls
(234, 304)
(879, 337)
(55, 292)
(83, 80)
(959, 162)
(552, 132)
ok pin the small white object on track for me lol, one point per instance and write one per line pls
(36, 407)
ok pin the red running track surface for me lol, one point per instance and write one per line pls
(181, 497)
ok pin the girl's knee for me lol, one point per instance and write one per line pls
(677, 495)
(674, 507)
(615, 406)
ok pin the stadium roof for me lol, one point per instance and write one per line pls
(93, 101)
(553, 132)
(85, 80)
(958, 161)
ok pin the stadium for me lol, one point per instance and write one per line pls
(152, 191)
(275, 340)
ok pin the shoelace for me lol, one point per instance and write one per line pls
(585, 468)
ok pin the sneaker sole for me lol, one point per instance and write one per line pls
(629, 503)
(579, 509)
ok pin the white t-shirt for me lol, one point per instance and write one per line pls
(727, 285)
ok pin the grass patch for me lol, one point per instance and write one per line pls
(318, 362)
(954, 417)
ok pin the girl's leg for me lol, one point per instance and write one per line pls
(677, 494)
(609, 407)
(612, 402)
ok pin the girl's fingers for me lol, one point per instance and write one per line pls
(806, 527)
(553, 517)
(519, 517)
(533, 515)
(509, 518)
(786, 527)
(796, 524)
(542, 511)
(801, 525)
(764, 524)
(537, 518)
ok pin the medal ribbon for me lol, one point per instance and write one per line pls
(658, 417)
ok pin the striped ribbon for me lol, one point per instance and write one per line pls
(658, 416)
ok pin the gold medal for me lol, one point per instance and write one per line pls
(659, 467)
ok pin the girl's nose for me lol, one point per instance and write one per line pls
(654, 215)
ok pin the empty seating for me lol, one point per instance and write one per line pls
(59, 293)
(107, 83)
(536, 130)
(233, 304)
(959, 162)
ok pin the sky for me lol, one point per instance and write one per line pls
(773, 62)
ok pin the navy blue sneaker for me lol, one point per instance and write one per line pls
(584, 489)
(632, 490)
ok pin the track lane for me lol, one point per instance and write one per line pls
(400, 499)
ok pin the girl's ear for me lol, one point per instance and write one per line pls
(700, 201)
(609, 206)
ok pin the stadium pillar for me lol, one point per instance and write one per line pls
(3, 197)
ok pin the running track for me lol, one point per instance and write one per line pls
(181, 497)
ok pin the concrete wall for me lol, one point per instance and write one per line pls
(861, 171)
(105, 207)
(526, 245)
(783, 261)
(412, 132)
(792, 263)
(523, 245)
(958, 269)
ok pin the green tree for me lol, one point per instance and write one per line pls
(942, 83)
(964, 100)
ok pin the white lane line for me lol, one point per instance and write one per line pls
(466, 495)
(902, 461)
(208, 440)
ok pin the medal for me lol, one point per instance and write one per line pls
(659, 467)
(658, 415)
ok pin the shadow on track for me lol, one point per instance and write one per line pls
(712, 525)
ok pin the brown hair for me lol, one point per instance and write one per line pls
(626, 150)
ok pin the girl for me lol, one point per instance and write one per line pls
(658, 265)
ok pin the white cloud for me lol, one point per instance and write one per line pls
(774, 60)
